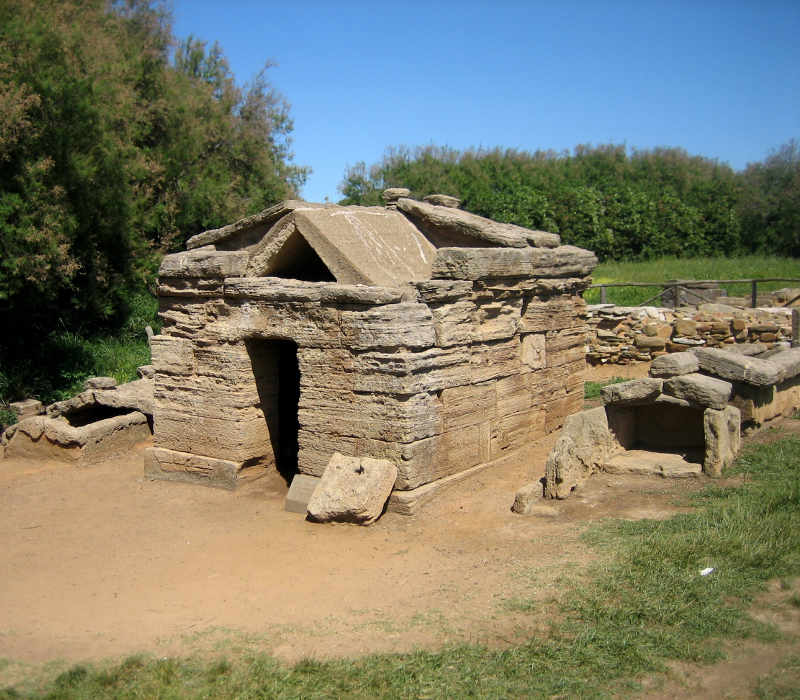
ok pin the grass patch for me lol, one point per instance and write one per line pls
(57, 368)
(591, 390)
(782, 682)
(645, 605)
(663, 269)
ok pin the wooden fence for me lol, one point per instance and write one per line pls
(693, 288)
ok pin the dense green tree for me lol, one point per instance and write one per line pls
(621, 205)
(770, 203)
(116, 144)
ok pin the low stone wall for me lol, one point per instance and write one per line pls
(624, 334)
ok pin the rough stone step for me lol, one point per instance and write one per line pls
(667, 464)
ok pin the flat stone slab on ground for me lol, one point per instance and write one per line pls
(666, 464)
(352, 490)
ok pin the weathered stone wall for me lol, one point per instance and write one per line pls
(621, 335)
(438, 376)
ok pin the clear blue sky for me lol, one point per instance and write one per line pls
(720, 79)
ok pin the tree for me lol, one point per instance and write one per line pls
(770, 203)
(112, 153)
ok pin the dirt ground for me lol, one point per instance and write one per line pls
(97, 562)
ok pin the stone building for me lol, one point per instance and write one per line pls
(415, 332)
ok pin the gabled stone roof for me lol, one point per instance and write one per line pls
(378, 246)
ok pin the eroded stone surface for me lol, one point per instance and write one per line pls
(736, 367)
(674, 365)
(584, 445)
(723, 438)
(632, 391)
(700, 390)
(352, 490)
(340, 312)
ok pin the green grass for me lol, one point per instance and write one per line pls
(782, 682)
(644, 605)
(57, 368)
(663, 269)
(591, 390)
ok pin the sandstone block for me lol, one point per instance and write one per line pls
(300, 492)
(722, 438)
(405, 325)
(448, 226)
(484, 263)
(204, 263)
(528, 501)
(649, 342)
(787, 363)
(172, 355)
(685, 327)
(146, 372)
(737, 367)
(100, 383)
(392, 194)
(674, 365)
(583, 446)
(700, 390)
(633, 391)
(352, 489)
(172, 465)
(27, 408)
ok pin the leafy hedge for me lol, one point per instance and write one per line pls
(622, 205)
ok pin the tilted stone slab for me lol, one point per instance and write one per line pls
(486, 263)
(448, 226)
(260, 222)
(700, 390)
(637, 390)
(674, 365)
(352, 490)
(736, 367)
(172, 465)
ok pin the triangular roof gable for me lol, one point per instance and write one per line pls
(358, 245)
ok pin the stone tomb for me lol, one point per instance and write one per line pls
(415, 333)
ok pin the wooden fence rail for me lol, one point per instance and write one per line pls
(689, 287)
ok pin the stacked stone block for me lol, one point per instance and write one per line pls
(437, 375)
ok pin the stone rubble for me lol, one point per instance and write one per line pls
(686, 418)
(622, 334)
(103, 420)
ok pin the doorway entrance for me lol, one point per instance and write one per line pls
(277, 375)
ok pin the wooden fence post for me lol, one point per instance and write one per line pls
(603, 294)
(754, 294)
(796, 328)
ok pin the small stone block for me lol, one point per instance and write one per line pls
(300, 492)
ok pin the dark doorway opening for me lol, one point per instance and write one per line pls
(277, 374)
